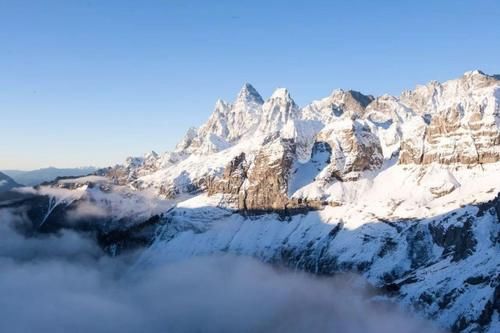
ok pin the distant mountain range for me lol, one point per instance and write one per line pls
(35, 177)
(6, 183)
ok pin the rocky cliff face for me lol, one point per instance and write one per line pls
(265, 188)
(261, 185)
(354, 149)
(233, 178)
(460, 122)
(336, 105)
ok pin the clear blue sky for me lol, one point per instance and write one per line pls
(91, 82)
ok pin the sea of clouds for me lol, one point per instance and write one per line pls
(64, 282)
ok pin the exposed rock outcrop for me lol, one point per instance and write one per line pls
(460, 122)
(457, 240)
(233, 177)
(354, 149)
(339, 104)
(262, 184)
(133, 168)
(265, 188)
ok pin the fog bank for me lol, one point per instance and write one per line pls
(65, 283)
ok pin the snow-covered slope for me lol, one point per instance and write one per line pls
(446, 266)
(402, 190)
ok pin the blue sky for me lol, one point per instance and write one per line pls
(91, 82)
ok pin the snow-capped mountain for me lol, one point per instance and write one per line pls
(402, 190)
(451, 123)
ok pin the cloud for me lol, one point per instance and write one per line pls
(65, 245)
(85, 210)
(97, 203)
(64, 282)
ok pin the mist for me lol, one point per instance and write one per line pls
(64, 282)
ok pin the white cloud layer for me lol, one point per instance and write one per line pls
(64, 283)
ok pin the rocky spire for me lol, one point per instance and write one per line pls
(281, 93)
(277, 111)
(249, 94)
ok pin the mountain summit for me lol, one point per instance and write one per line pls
(249, 94)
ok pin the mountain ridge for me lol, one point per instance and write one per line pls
(37, 176)
(7, 183)
(399, 124)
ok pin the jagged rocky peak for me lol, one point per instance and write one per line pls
(383, 103)
(187, 139)
(135, 167)
(227, 123)
(478, 79)
(435, 96)
(351, 100)
(279, 109)
(221, 106)
(461, 121)
(281, 93)
(134, 162)
(151, 156)
(339, 103)
(478, 74)
(243, 116)
(386, 110)
(355, 148)
(249, 94)
(207, 138)
(217, 123)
